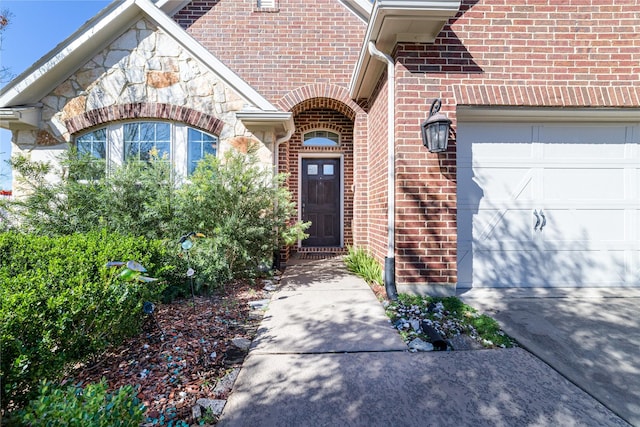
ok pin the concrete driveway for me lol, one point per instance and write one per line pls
(590, 336)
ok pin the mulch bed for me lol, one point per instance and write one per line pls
(184, 350)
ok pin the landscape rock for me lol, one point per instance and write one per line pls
(420, 345)
(259, 304)
(214, 405)
(241, 342)
(225, 384)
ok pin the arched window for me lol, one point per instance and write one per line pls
(321, 138)
(180, 145)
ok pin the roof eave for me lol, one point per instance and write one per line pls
(280, 122)
(397, 21)
(20, 118)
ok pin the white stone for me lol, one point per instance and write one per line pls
(154, 64)
(138, 59)
(115, 82)
(419, 345)
(127, 41)
(133, 93)
(214, 405)
(172, 95)
(167, 46)
(135, 74)
(415, 324)
(190, 70)
(98, 98)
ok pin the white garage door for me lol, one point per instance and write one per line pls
(548, 205)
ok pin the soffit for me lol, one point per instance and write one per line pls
(397, 21)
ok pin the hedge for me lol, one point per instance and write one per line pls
(60, 303)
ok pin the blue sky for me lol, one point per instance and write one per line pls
(36, 28)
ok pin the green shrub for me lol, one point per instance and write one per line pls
(59, 303)
(243, 210)
(135, 199)
(91, 406)
(360, 262)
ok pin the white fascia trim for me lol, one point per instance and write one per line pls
(171, 7)
(21, 117)
(206, 57)
(360, 8)
(262, 120)
(546, 114)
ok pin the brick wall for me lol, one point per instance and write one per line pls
(303, 43)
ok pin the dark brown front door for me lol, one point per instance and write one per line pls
(320, 196)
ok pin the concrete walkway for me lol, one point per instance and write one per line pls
(325, 355)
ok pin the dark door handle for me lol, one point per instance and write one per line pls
(544, 220)
(535, 213)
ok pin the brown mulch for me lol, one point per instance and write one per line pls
(185, 348)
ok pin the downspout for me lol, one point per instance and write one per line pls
(390, 260)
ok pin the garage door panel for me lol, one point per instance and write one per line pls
(584, 179)
(584, 151)
(583, 134)
(500, 227)
(596, 226)
(558, 268)
(583, 184)
(503, 184)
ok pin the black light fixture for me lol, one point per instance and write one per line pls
(435, 130)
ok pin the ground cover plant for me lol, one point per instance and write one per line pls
(360, 262)
(92, 405)
(449, 316)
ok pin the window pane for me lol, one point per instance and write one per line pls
(93, 147)
(199, 145)
(321, 138)
(143, 139)
(93, 143)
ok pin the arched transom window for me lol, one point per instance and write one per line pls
(180, 145)
(321, 138)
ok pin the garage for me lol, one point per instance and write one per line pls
(548, 204)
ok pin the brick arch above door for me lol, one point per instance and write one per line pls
(320, 96)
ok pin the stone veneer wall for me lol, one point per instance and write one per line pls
(144, 70)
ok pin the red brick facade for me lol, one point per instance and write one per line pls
(573, 54)
(301, 57)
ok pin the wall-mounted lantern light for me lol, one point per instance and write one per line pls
(435, 130)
